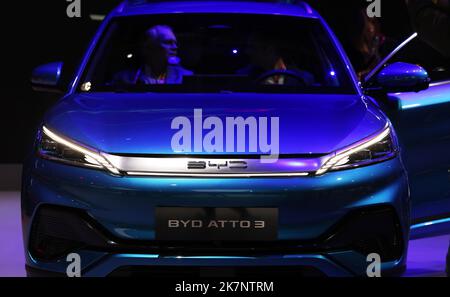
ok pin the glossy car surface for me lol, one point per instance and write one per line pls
(107, 206)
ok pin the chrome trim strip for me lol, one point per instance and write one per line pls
(440, 83)
(218, 175)
(185, 167)
(429, 223)
(223, 168)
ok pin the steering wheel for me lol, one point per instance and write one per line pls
(297, 76)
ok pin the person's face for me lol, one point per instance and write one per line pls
(168, 43)
(162, 48)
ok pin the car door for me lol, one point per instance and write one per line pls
(422, 122)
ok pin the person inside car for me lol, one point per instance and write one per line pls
(265, 55)
(160, 65)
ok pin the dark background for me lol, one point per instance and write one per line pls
(34, 33)
(38, 32)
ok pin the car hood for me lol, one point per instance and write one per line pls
(120, 123)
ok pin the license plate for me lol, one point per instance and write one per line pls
(221, 224)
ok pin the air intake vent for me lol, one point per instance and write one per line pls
(57, 231)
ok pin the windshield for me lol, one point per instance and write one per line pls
(216, 53)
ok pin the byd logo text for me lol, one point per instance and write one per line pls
(213, 135)
(217, 165)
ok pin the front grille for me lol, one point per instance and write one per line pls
(57, 231)
(370, 230)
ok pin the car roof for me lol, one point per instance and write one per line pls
(144, 7)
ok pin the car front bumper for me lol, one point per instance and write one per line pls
(310, 208)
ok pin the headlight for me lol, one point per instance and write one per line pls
(376, 149)
(54, 147)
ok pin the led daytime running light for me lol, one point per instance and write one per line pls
(92, 155)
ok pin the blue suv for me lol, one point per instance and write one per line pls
(202, 134)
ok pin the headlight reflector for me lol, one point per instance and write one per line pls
(374, 150)
(58, 148)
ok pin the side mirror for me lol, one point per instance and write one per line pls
(47, 77)
(403, 77)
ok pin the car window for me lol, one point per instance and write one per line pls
(216, 53)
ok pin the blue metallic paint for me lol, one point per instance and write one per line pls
(139, 123)
(401, 74)
(423, 128)
(438, 93)
(124, 206)
(48, 74)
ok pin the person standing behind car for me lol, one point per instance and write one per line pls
(431, 19)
